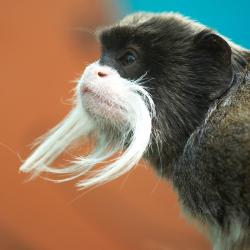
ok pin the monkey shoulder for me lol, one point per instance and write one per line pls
(212, 176)
(224, 137)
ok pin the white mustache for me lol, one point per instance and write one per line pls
(137, 111)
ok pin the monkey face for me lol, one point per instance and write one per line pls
(110, 93)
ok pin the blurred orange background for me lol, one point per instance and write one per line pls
(41, 52)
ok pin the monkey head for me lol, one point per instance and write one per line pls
(155, 79)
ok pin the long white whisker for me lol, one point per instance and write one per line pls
(58, 139)
(128, 133)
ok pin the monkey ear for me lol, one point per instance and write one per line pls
(215, 45)
(213, 56)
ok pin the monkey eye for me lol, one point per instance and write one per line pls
(128, 58)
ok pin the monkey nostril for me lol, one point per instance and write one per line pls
(101, 74)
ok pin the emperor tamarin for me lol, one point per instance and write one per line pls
(171, 91)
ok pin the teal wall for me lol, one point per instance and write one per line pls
(231, 18)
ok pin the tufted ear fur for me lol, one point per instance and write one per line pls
(215, 54)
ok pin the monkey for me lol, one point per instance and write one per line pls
(175, 93)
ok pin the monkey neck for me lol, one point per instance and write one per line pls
(167, 147)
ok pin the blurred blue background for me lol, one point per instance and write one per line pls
(229, 17)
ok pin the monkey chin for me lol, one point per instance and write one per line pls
(103, 110)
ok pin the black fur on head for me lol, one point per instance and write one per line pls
(187, 67)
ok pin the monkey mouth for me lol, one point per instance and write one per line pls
(100, 98)
(97, 104)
